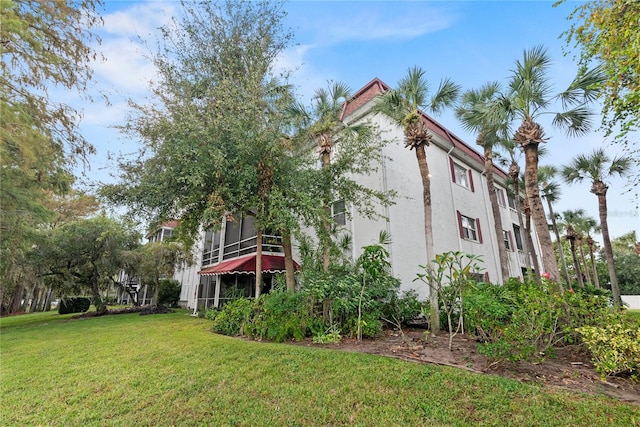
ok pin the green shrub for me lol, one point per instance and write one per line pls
(371, 325)
(74, 305)
(234, 317)
(211, 313)
(615, 348)
(527, 320)
(281, 315)
(169, 292)
(488, 309)
(402, 309)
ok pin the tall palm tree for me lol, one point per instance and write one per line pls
(531, 96)
(513, 184)
(471, 115)
(323, 124)
(551, 192)
(597, 167)
(571, 223)
(403, 105)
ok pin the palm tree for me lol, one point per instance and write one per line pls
(324, 124)
(513, 184)
(471, 115)
(530, 96)
(403, 106)
(571, 221)
(597, 167)
(551, 192)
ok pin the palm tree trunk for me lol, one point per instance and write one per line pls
(596, 281)
(537, 211)
(326, 161)
(421, 156)
(560, 251)
(576, 264)
(258, 261)
(585, 268)
(608, 250)
(514, 174)
(288, 262)
(529, 239)
(497, 217)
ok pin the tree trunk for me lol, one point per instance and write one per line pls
(258, 262)
(497, 217)
(585, 267)
(421, 156)
(514, 174)
(16, 300)
(596, 281)
(529, 239)
(560, 251)
(576, 264)
(101, 308)
(537, 211)
(606, 241)
(288, 262)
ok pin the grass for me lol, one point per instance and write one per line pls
(170, 370)
(633, 314)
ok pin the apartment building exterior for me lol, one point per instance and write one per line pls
(462, 216)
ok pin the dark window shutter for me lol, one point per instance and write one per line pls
(511, 241)
(471, 181)
(478, 230)
(460, 224)
(453, 170)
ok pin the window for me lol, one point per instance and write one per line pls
(338, 212)
(469, 228)
(512, 202)
(500, 196)
(508, 240)
(461, 175)
(518, 236)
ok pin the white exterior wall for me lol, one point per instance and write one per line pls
(405, 219)
(189, 277)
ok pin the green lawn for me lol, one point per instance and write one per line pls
(166, 370)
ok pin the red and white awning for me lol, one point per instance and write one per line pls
(247, 265)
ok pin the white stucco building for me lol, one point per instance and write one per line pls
(462, 215)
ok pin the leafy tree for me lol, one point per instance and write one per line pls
(605, 31)
(598, 167)
(214, 135)
(45, 44)
(470, 114)
(86, 253)
(403, 106)
(627, 261)
(530, 96)
(159, 260)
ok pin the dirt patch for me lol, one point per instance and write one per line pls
(569, 368)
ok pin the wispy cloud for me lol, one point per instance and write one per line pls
(358, 21)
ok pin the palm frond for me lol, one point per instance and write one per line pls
(586, 87)
(575, 122)
(447, 93)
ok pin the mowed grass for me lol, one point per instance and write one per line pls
(171, 370)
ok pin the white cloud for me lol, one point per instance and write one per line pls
(141, 19)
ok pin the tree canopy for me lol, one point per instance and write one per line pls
(44, 45)
(606, 32)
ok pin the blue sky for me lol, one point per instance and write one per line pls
(472, 42)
